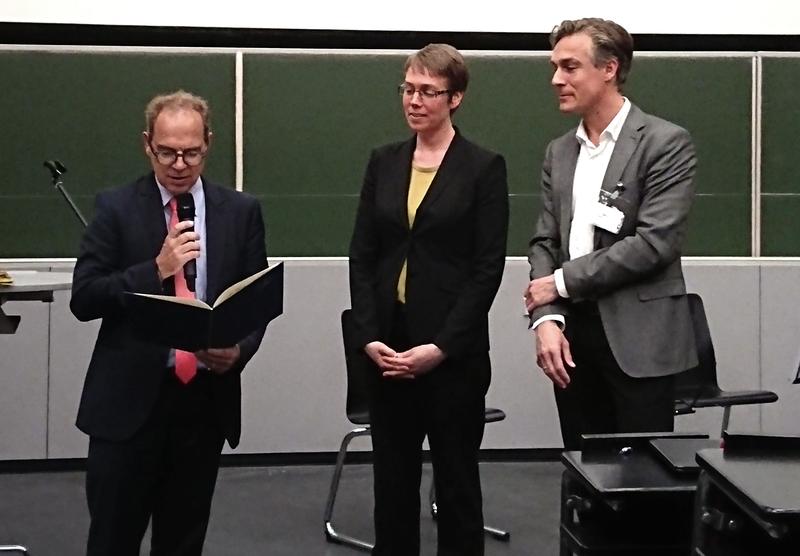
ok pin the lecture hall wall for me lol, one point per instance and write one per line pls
(276, 109)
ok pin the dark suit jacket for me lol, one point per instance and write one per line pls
(118, 254)
(635, 275)
(455, 250)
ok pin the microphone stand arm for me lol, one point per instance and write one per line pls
(59, 184)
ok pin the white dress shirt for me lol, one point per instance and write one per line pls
(200, 227)
(589, 173)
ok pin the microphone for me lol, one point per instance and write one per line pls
(185, 209)
(55, 167)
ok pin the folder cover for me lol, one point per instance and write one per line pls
(191, 324)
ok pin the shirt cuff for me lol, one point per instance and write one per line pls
(561, 286)
(558, 318)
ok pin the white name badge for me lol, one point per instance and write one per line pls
(608, 218)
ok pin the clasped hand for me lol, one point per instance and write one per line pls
(540, 291)
(179, 247)
(219, 360)
(406, 365)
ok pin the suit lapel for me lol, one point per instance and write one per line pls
(562, 176)
(215, 239)
(629, 137)
(152, 215)
(399, 177)
(566, 183)
(452, 165)
(627, 142)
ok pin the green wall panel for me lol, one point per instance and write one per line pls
(718, 226)
(712, 98)
(780, 225)
(780, 124)
(310, 121)
(87, 110)
(780, 180)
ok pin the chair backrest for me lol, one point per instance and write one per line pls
(701, 380)
(357, 367)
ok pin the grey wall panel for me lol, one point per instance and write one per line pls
(23, 371)
(780, 345)
(70, 348)
(518, 386)
(294, 388)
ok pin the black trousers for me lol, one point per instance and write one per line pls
(166, 472)
(600, 397)
(447, 406)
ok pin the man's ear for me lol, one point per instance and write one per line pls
(146, 143)
(610, 69)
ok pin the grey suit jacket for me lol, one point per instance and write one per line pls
(635, 275)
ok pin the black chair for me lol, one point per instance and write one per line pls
(698, 387)
(358, 414)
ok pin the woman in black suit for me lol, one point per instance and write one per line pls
(426, 260)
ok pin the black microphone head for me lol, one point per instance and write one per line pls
(185, 209)
(55, 167)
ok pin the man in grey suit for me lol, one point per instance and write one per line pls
(607, 299)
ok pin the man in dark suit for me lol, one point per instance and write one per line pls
(426, 260)
(157, 417)
(607, 296)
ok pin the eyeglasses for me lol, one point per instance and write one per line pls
(168, 157)
(428, 94)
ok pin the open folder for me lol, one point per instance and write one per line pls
(191, 325)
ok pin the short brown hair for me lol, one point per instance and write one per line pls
(177, 100)
(610, 40)
(442, 60)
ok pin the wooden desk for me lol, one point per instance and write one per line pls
(619, 496)
(748, 498)
(30, 285)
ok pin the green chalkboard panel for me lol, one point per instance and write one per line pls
(780, 180)
(310, 123)
(711, 97)
(86, 109)
(510, 108)
(780, 225)
(311, 119)
(514, 111)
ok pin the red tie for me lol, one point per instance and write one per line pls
(185, 361)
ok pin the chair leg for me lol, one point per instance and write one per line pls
(13, 548)
(498, 534)
(567, 515)
(726, 417)
(432, 501)
(330, 532)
